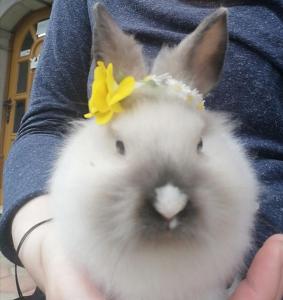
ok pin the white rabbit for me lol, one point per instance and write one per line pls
(158, 204)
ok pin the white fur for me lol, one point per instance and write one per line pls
(100, 231)
(170, 201)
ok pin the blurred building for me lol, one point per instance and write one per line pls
(23, 25)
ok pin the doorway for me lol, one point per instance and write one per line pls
(27, 43)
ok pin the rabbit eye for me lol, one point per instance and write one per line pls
(120, 147)
(200, 145)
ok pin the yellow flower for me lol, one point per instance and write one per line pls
(201, 105)
(107, 93)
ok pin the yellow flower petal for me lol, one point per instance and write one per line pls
(117, 108)
(99, 95)
(100, 88)
(107, 93)
(110, 81)
(93, 109)
(124, 89)
(103, 118)
(88, 115)
(100, 70)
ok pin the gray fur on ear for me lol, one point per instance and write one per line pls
(199, 58)
(112, 45)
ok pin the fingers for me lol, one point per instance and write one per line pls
(264, 279)
(70, 283)
(64, 280)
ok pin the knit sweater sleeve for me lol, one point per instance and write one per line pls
(59, 94)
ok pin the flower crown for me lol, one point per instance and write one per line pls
(107, 94)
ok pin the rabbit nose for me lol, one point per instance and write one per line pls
(169, 201)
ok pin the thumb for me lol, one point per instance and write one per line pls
(264, 279)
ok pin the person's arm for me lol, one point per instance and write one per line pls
(30, 214)
(59, 95)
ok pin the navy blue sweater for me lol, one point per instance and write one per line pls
(250, 88)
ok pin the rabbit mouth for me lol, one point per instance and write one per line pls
(161, 220)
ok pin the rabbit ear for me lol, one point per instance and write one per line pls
(199, 58)
(112, 45)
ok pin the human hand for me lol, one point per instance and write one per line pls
(264, 279)
(55, 275)
(62, 279)
(44, 258)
